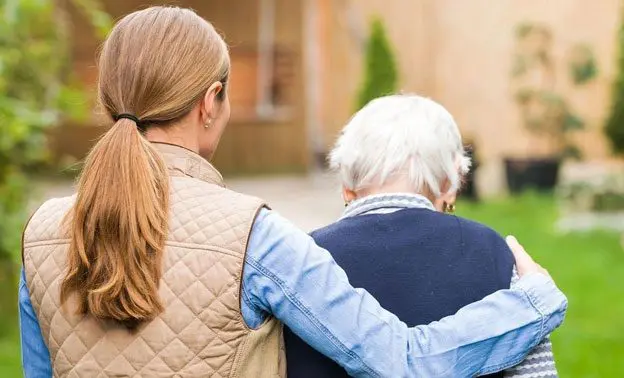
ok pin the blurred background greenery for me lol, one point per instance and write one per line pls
(37, 91)
(572, 226)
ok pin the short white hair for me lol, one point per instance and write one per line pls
(401, 135)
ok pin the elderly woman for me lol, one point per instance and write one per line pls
(401, 163)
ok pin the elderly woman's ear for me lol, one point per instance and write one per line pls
(348, 195)
(446, 201)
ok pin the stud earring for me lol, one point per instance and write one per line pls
(208, 123)
(449, 208)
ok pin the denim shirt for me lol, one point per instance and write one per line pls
(288, 276)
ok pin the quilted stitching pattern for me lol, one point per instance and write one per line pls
(201, 329)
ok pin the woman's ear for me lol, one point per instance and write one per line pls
(348, 195)
(209, 101)
(446, 198)
(450, 198)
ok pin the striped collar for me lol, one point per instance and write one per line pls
(386, 203)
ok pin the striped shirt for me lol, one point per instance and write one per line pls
(540, 362)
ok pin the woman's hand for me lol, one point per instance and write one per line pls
(524, 262)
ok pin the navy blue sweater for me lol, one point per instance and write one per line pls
(419, 264)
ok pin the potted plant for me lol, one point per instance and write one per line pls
(544, 111)
(380, 68)
(380, 73)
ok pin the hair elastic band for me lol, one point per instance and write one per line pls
(129, 116)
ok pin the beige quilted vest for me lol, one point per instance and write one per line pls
(201, 333)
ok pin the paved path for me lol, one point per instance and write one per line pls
(308, 201)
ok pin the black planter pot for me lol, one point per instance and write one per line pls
(538, 174)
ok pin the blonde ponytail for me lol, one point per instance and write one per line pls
(119, 228)
(154, 68)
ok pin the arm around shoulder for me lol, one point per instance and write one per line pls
(286, 274)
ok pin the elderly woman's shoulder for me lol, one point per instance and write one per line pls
(468, 225)
(442, 222)
(480, 234)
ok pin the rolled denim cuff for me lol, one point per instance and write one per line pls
(546, 298)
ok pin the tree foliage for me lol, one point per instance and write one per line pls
(380, 72)
(544, 110)
(37, 91)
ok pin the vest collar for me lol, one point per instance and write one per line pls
(185, 162)
(387, 203)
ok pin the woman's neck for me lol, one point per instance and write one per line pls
(174, 134)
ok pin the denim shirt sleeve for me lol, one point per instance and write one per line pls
(540, 362)
(288, 276)
(35, 354)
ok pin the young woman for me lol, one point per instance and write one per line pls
(155, 269)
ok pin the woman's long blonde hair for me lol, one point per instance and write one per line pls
(156, 64)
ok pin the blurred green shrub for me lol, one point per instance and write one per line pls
(615, 124)
(600, 195)
(380, 72)
(37, 91)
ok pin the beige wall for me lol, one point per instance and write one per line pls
(345, 31)
(249, 144)
(459, 52)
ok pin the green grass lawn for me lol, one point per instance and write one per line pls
(10, 365)
(589, 268)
